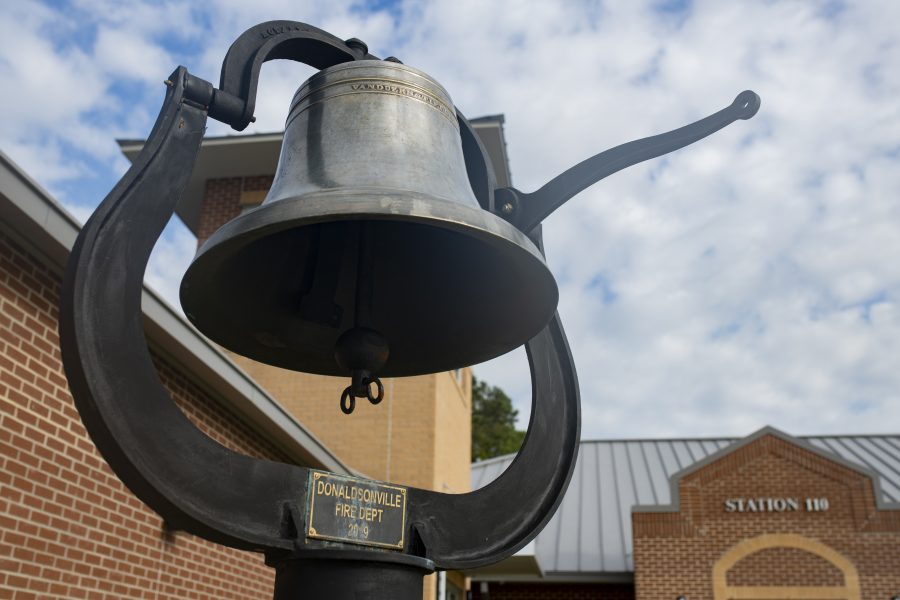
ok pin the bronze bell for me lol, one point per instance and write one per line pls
(370, 253)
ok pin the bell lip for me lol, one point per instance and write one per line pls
(336, 205)
(367, 202)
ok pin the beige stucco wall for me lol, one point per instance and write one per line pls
(419, 435)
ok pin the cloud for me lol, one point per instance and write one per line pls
(749, 279)
(124, 55)
(726, 236)
(46, 87)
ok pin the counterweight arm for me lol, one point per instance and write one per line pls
(526, 210)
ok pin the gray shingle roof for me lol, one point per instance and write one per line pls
(637, 472)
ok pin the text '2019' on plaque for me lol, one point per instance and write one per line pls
(359, 511)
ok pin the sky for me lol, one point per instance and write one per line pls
(750, 279)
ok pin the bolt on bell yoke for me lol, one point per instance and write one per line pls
(370, 256)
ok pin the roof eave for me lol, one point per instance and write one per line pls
(36, 221)
(257, 154)
(768, 430)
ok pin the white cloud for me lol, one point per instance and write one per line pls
(726, 236)
(45, 90)
(749, 279)
(123, 54)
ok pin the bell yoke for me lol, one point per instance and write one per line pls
(384, 248)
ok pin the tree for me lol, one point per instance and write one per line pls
(493, 422)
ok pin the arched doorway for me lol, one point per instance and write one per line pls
(722, 590)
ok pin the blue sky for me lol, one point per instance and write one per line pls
(750, 279)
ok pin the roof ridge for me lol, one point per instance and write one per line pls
(209, 138)
(727, 438)
(506, 457)
(849, 435)
(662, 439)
(495, 459)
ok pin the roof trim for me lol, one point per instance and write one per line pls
(557, 577)
(127, 145)
(34, 219)
(729, 439)
(496, 459)
(223, 156)
(488, 120)
(256, 154)
(675, 479)
(523, 565)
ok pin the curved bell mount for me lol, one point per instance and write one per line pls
(201, 487)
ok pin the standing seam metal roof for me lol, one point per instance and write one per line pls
(590, 534)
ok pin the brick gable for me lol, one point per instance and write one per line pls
(754, 491)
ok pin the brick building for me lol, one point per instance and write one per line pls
(769, 516)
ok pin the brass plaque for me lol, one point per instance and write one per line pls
(358, 511)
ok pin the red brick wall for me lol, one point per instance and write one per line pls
(555, 591)
(222, 201)
(68, 527)
(675, 553)
(258, 183)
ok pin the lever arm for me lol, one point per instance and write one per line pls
(526, 211)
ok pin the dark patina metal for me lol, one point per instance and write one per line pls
(201, 487)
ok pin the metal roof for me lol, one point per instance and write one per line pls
(612, 476)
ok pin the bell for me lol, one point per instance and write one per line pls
(370, 253)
